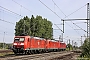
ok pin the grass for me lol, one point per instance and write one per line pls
(82, 58)
(5, 54)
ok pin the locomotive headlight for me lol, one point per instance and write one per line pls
(15, 44)
(22, 44)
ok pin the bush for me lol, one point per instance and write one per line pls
(86, 49)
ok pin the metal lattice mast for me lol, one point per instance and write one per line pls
(88, 21)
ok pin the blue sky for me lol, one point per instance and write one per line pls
(37, 8)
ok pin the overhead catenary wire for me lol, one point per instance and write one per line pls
(79, 27)
(3, 17)
(18, 14)
(58, 27)
(7, 21)
(65, 16)
(70, 14)
(58, 7)
(11, 11)
(24, 7)
(50, 9)
(75, 11)
(73, 28)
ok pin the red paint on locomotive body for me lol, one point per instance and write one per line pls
(21, 42)
(28, 43)
(62, 45)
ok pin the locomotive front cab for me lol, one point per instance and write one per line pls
(18, 45)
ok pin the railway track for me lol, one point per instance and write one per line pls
(72, 56)
(43, 56)
(5, 51)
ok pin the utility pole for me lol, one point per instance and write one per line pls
(69, 44)
(75, 44)
(3, 41)
(63, 26)
(60, 30)
(59, 38)
(81, 40)
(72, 44)
(62, 37)
(88, 21)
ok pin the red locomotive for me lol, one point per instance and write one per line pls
(29, 45)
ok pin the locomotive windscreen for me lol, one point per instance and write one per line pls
(18, 39)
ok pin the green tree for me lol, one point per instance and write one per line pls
(86, 49)
(21, 25)
(1, 45)
(69, 46)
(38, 26)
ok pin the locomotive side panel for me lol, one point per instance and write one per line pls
(29, 44)
(62, 46)
(42, 44)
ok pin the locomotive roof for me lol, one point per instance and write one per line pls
(53, 40)
(62, 42)
(22, 36)
(38, 38)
